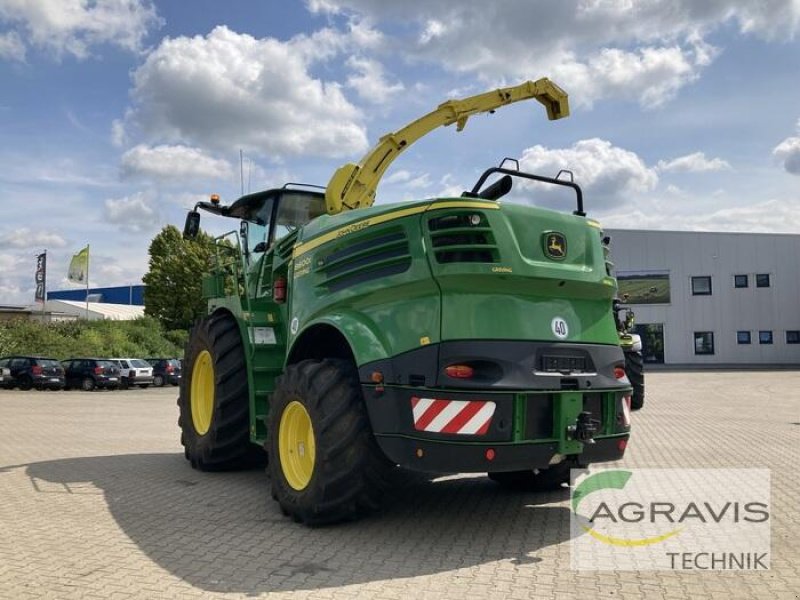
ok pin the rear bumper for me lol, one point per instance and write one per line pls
(523, 430)
(49, 383)
(139, 380)
(107, 383)
(446, 457)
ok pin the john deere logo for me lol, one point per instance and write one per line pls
(555, 245)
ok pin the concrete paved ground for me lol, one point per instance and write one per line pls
(97, 501)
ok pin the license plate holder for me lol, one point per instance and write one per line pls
(555, 363)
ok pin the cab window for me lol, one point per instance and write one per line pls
(295, 210)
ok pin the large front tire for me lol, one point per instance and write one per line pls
(325, 465)
(214, 401)
(634, 369)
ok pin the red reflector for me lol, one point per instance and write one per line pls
(619, 373)
(490, 454)
(459, 371)
(279, 290)
(622, 444)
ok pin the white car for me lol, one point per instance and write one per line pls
(5, 376)
(134, 371)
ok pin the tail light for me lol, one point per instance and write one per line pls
(619, 372)
(279, 290)
(459, 371)
(170, 369)
(36, 370)
(98, 370)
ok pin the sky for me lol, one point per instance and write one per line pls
(116, 116)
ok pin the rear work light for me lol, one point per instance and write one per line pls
(459, 371)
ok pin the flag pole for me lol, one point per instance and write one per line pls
(44, 286)
(87, 280)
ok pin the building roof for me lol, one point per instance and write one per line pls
(97, 310)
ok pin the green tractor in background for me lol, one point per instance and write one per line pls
(455, 334)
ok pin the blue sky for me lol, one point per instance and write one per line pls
(117, 115)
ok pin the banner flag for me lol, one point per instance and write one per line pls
(79, 267)
(41, 276)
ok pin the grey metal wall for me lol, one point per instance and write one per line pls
(727, 309)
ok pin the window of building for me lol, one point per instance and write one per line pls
(762, 280)
(793, 336)
(740, 281)
(742, 337)
(701, 286)
(704, 342)
(765, 337)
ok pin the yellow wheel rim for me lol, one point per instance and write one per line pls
(296, 445)
(202, 392)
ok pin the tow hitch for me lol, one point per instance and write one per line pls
(584, 429)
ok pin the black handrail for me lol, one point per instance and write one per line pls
(578, 192)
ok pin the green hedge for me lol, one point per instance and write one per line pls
(140, 338)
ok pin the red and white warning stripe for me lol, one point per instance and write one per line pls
(626, 411)
(461, 417)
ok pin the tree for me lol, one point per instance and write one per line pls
(174, 280)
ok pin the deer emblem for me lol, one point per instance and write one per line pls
(556, 245)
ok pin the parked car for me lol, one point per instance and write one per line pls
(165, 370)
(28, 372)
(90, 373)
(134, 371)
(5, 376)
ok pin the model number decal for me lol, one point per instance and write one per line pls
(353, 228)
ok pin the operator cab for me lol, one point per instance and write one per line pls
(266, 217)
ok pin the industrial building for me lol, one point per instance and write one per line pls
(712, 298)
(125, 294)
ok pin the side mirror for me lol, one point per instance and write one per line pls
(192, 226)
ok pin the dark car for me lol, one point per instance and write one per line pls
(165, 370)
(90, 373)
(33, 372)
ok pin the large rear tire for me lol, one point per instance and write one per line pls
(214, 401)
(324, 463)
(634, 369)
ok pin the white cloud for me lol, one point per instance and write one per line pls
(606, 173)
(420, 182)
(11, 46)
(229, 90)
(369, 81)
(400, 176)
(788, 151)
(771, 216)
(693, 163)
(132, 213)
(173, 162)
(74, 26)
(646, 50)
(649, 75)
(118, 134)
(24, 237)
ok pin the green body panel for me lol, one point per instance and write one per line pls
(386, 278)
